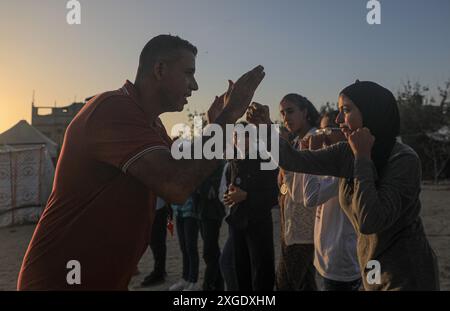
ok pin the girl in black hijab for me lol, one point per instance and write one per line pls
(380, 115)
(379, 187)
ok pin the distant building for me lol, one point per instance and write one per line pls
(53, 121)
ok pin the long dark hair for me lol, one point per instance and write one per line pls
(312, 115)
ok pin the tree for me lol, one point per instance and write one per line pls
(438, 150)
(191, 118)
(328, 107)
(420, 117)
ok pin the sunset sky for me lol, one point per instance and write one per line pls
(311, 47)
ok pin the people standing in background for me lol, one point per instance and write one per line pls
(251, 194)
(158, 244)
(295, 270)
(226, 261)
(211, 213)
(187, 225)
(335, 257)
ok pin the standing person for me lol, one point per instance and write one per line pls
(335, 257)
(226, 261)
(379, 187)
(251, 194)
(211, 213)
(158, 244)
(114, 161)
(187, 224)
(295, 268)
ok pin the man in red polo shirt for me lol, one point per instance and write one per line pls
(114, 161)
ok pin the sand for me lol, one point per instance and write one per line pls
(435, 214)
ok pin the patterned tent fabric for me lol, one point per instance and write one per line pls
(26, 177)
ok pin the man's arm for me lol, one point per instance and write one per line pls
(174, 180)
(330, 161)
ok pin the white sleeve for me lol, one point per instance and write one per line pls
(319, 189)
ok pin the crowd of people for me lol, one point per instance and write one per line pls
(347, 191)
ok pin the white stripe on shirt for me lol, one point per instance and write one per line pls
(140, 154)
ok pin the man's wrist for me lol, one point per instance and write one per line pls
(226, 117)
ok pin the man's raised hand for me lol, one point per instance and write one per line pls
(218, 104)
(236, 100)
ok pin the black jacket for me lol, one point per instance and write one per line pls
(206, 198)
(262, 192)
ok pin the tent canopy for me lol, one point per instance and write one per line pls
(24, 135)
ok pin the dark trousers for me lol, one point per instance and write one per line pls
(332, 285)
(254, 255)
(158, 240)
(296, 270)
(227, 266)
(210, 231)
(188, 228)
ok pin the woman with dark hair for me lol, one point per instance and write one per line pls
(379, 188)
(295, 269)
(310, 115)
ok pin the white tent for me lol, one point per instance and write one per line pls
(23, 135)
(26, 179)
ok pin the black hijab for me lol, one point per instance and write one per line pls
(380, 115)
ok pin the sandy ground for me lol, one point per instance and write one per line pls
(435, 213)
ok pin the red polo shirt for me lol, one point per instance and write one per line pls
(97, 214)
